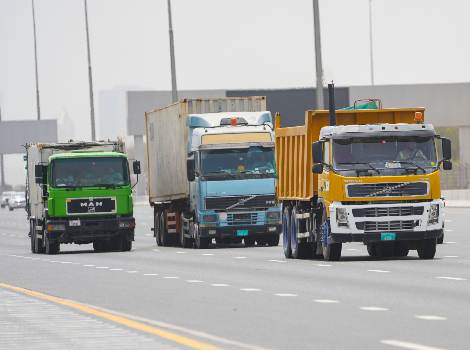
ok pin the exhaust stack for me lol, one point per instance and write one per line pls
(331, 99)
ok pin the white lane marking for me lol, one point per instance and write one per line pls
(180, 252)
(240, 257)
(150, 274)
(194, 281)
(219, 285)
(373, 308)
(285, 295)
(450, 256)
(379, 271)
(54, 261)
(352, 249)
(449, 242)
(133, 271)
(326, 301)
(324, 265)
(149, 235)
(277, 261)
(171, 277)
(448, 220)
(89, 265)
(451, 278)
(250, 289)
(407, 345)
(431, 317)
(207, 254)
(101, 267)
(449, 230)
(155, 250)
(115, 269)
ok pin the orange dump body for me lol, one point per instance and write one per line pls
(295, 179)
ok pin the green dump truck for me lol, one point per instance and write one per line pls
(79, 192)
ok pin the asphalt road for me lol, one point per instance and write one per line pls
(234, 297)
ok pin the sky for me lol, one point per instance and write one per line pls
(219, 44)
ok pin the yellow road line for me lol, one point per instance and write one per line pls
(190, 343)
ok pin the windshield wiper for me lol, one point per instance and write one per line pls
(219, 172)
(357, 170)
(409, 162)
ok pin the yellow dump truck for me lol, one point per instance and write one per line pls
(361, 175)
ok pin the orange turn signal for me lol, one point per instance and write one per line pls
(419, 117)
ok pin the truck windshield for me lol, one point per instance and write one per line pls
(253, 162)
(391, 155)
(90, 172)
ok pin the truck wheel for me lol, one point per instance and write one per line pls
(200, 242)
(249, 241)
(10, 208)
(427, 248)
(36, 244)
(99, 246)
(440, 239)
(185, 241)
(286, 240)
(401, 249)
(156, 228)
(331, 251)
(273, 241)
(299, 250)
(126, 245)
(372, 250)
(51, 248)
(261, 241)
(162, 231)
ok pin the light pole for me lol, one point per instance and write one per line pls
(38, 106)
(2, 184)
(90, 77)
(318, 60)
(174, 89)
(371, 50)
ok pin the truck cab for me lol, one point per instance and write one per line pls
(381, 182)
(231, 170)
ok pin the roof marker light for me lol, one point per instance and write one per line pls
(419, 118)
(233, 121)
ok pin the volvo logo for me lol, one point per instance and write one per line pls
(241, 202)
(387, 189)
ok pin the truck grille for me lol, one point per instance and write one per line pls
(391, 189)
(242, 218)
(387, 211)
(245, 202)
(380, 226)
(85, 206)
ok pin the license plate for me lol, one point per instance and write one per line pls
(74, 222)
(242, 233)
(388, 236)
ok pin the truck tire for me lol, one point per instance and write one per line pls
(401, 249)
(372, 250)
(126, 245)
(440, 239)
(261, 241)
(286, 232)
(249, 241)
(331, 251)
(164, 239)
(427, 248)
(50, 248)
(184, 241)
(273, 241)
(99, 246)
(36, 244)
(299, 250)
(200, 242)
(156, 228)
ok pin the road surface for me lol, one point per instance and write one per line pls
(231, 297)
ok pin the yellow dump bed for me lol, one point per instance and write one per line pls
(295, 179)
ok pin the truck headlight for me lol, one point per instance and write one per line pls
(55, 227)
(341, 216)
(433, 214)
(209, 218)
(273, 216)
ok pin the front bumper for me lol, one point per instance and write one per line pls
(240, 231)
(90, 229)
(408, 221)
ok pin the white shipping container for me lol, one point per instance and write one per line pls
(167, 141)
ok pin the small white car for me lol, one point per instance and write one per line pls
(18, 200)
(5, 197)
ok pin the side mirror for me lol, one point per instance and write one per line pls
(39, 173)
(317, 152)
(190, 169)
(446, 148)
(136, 167)
(317, 168)
(447, 164)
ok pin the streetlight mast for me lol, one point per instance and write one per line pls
(90, 77)
(174, 89)
(318, 58)
(38, 106)
(371, 51)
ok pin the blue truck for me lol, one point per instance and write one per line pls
(211, 173)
